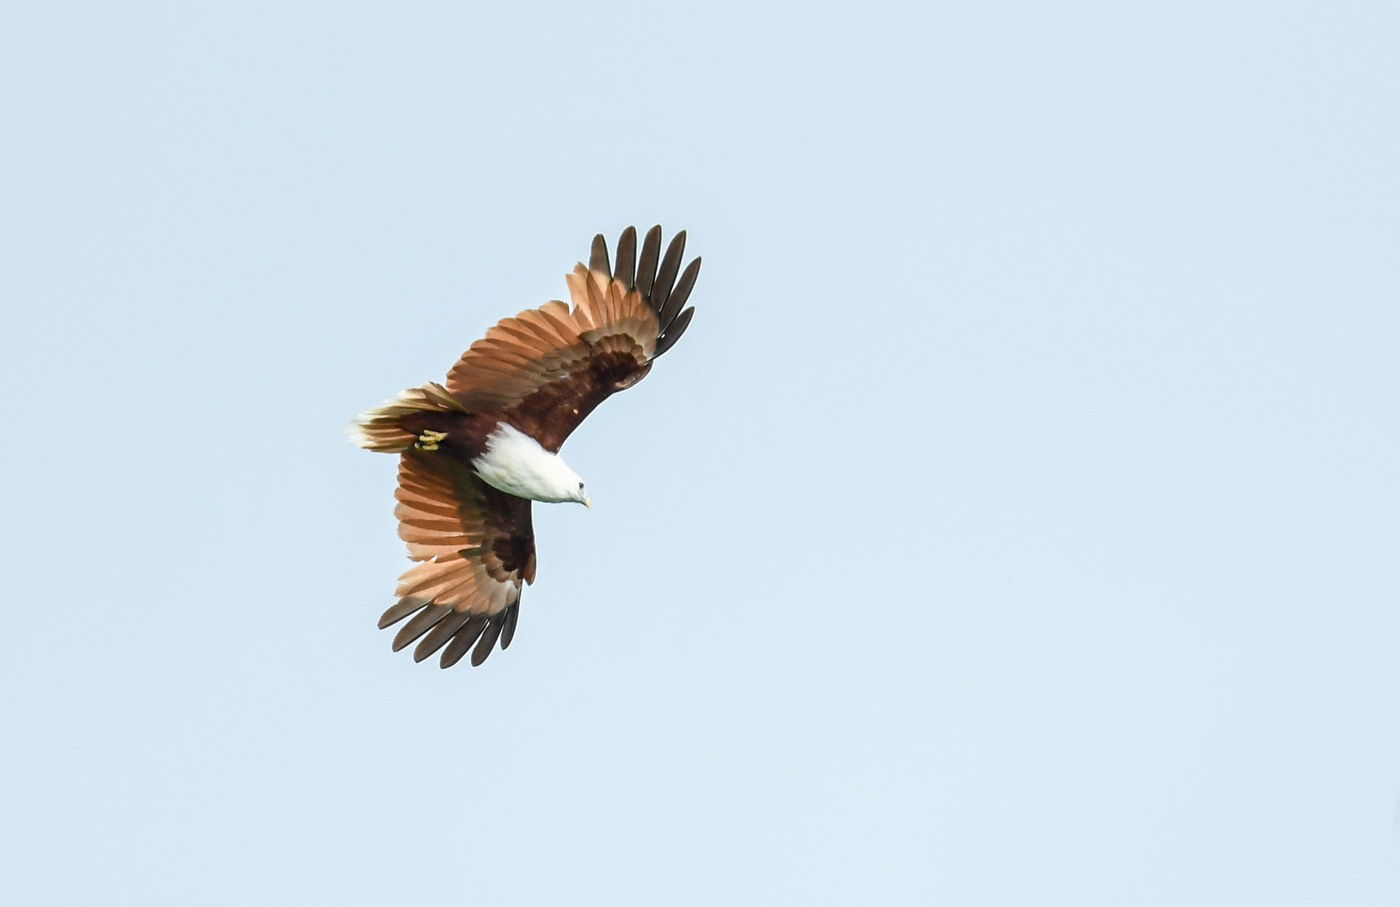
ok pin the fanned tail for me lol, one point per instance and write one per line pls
(379, 429)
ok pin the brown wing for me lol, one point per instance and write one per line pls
(476, 546)
(546, 369)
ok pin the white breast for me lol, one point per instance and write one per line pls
(515, 463)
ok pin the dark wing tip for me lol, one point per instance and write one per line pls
(398, 611)
(666, 277)
(487, 642)
(508, 631)
(627, 257)
(674, 332)
(646, 268)
(598, 257)
(667, 314)
(443, 625)
(661, 289)
(438, 636)
(421, 623)
(462, 640)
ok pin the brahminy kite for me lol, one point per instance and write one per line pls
(474, 453)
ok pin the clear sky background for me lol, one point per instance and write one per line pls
(1017, 522)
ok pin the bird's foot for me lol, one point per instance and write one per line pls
(429, 440)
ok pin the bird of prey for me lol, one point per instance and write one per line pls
(474, 452)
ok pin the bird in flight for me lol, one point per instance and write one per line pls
(474, 452)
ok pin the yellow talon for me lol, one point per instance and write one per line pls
(428, 440)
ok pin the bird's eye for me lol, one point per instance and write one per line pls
(580, 486)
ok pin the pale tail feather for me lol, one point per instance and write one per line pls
(378, 429)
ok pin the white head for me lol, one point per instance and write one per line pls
(569, 486)
(515, 463)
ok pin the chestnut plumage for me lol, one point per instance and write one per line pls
(476, 450)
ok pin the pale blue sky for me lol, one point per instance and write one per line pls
(1017, 522)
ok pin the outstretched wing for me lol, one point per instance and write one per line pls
(546, 369)
(476, 546)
